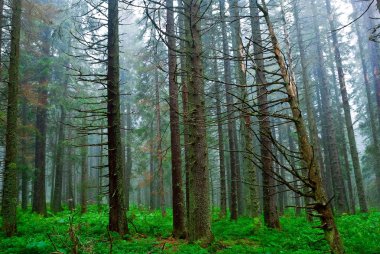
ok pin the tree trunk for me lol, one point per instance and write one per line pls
(244, 107)
(160, 170)
(312, 126)
(1, 35)
(183, 33)
(152, 183)
(222, 168)
(117, 216)
(179, 229)
(314, 175)
(271, 218)
(330, 130)
(100, 173)
(342, 141)
(231, 124)
(25, 177)
(84, 169)
(370, 109)
(199, 200)
(39, 190)
(374, 59)
(70, 178)
(57, 194)
(293, 164)
(129, 156)
(9, 198)
(347, 114)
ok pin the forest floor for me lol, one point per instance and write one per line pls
(150, 233)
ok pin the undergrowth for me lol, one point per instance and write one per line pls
(70, 232)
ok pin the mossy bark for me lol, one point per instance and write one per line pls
(9, 198)
(199, 225)
(117, 213)
(179, 229)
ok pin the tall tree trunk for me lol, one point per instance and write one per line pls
(184, 62)
(370, 108)
(327, 175)
(271, 217)
(57, 194)
(314, 175)
(293, 164)
(244, 107)
(347, 113)
(342, 141)
(282, 190)
(25, 178)
(231, 123)
(152, 183)
(312, 126)
(70, 177)
(374, 56)
(179, 229)
(39, 190)
(222, 168)
(160, 170)
(117, 216)
(199, 200)
(56, 205)
(9, 198)
(100, 173)
(84, 168)
(129, 156)
(374, 60)
(330, 129)
(1, 35)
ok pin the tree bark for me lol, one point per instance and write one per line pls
(25, 174)
(314, 175)
(271, 217)
(117, 216)
(179, 229)
(9, 198)
(231, 123)
(342, 141)
(84, 169)
(39, 190)
(293, 164)
(70, 178)
(99, 198)
(56, 205)
(160, 170)
(222, 168)
(128, 164)
(199, 200)
(152, 183)
(244, 107)
(184, 62)
(1, 34)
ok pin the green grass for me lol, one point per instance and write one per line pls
(150, 233)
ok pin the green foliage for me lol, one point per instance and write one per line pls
(150, 233)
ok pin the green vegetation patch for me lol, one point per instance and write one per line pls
(151, 233)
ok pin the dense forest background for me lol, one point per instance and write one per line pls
(189, 126)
